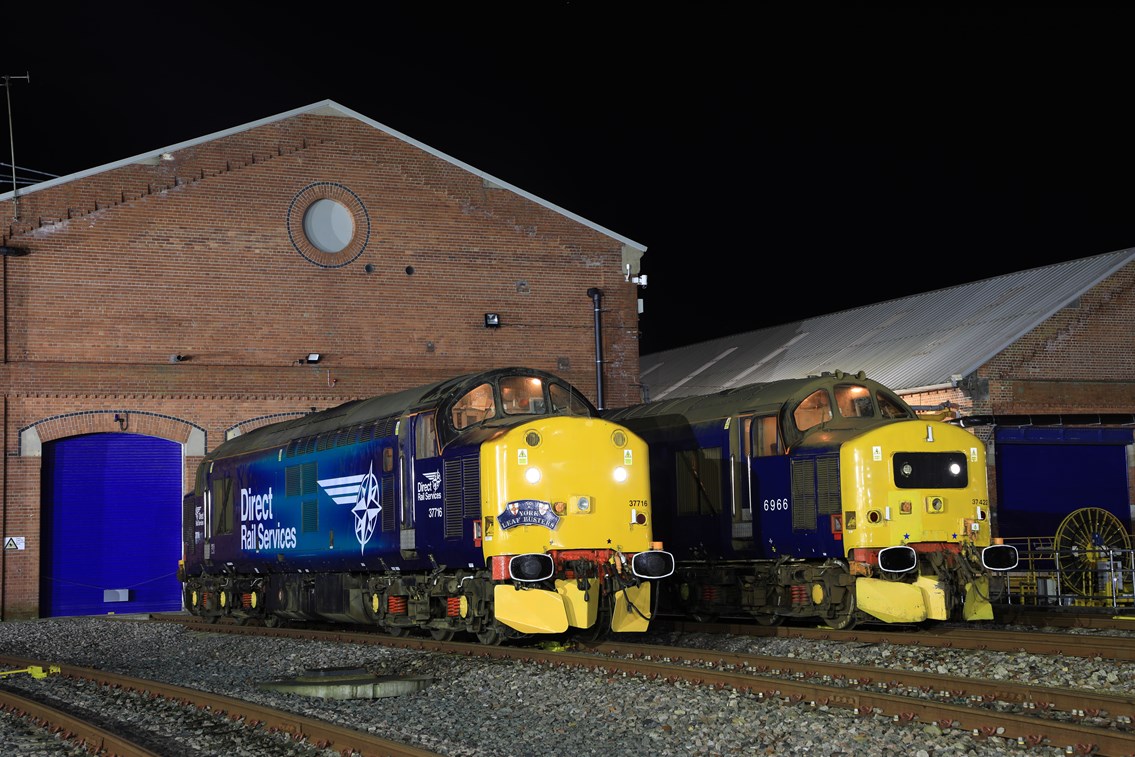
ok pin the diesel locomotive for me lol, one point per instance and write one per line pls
(820, 498)
(497, 504)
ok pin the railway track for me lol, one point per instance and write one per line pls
(955, 637)
(1077, 721)
(82, 704)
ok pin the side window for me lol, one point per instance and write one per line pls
(564, 402)
(854, 401)
(699, 481)
(767, 440)
(889, 408)
(223, 505)
(474, 407)
(814, 410)
(425, 436)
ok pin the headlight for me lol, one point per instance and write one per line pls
(652, 564)
(531, 567)
(532, 475)
(620, 474)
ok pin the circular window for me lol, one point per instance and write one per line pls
(328, 225)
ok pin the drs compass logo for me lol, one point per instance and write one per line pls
(364, 494)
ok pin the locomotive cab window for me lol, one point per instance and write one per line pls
(564, 402)
(476, 406)
(522, 395)
(815, 409)
(854, 401)
(890, 407)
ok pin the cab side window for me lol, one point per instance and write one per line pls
(815, 409)
(889, 408)
(425, 436)
(767, 440)
(476, 406)
(565, 402)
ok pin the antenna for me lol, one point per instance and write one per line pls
(12, 139)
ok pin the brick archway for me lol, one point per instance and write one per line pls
(33, 436)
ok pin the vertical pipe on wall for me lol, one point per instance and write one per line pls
(4, 508)
(596, 295)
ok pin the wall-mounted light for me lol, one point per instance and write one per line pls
(12, 252)
(492, 320)
(178, 358)
(312, 357)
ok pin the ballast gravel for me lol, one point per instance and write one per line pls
(479, 707)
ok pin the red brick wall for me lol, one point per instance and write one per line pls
(193, 256)
(1081, 360)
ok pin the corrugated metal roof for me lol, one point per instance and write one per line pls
(909, 343)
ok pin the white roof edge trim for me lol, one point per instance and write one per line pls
(324, 107)
(928, 388)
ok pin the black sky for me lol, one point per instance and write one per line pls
(776, 164)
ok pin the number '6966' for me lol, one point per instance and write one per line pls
(776, 504)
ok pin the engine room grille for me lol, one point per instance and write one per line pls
(388, 509)
(815, 490)
(462, 493)
(827, 485)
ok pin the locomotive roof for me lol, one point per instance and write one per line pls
(759, 398)
(396, 404)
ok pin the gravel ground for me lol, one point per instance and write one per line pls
(477, 707)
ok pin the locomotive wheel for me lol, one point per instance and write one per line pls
(844, 616)
(397, 631)
(442, 634)
(768, 619)
(272, 621)
(1083, 542)
(490, 637)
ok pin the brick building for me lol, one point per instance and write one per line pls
(177, 297)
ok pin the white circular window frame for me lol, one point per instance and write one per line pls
(328, 224)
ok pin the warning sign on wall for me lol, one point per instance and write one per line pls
(13, 542)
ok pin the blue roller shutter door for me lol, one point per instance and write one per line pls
(111, 523)
(1044, 474)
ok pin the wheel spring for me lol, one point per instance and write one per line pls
(709, 594)
(396, 605)
(453, 606)
(799, 594)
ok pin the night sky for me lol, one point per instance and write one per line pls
(776, 164)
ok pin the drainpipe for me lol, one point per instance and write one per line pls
(596, 295)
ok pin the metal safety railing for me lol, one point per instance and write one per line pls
(1082, 576)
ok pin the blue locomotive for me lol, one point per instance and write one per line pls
(824, 498)
(498, 504)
